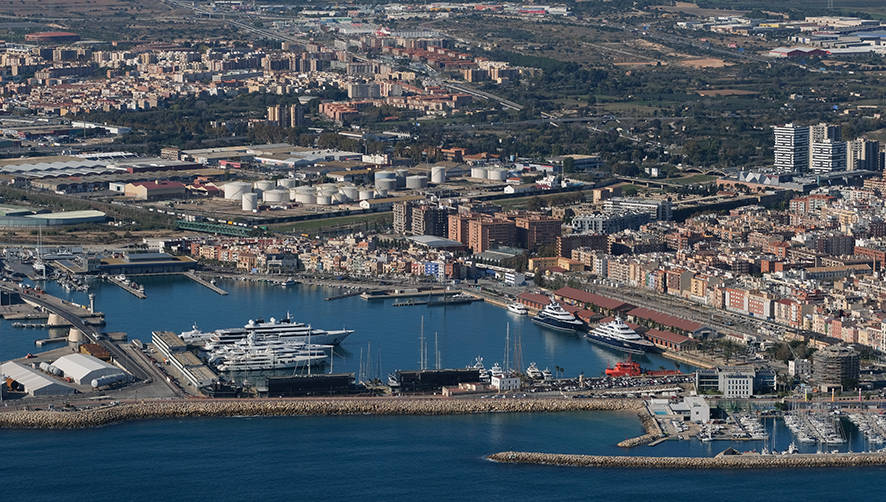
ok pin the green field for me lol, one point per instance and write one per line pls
(324, 225)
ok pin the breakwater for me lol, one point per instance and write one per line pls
(145, 410)
(749, 461)
(653, 431)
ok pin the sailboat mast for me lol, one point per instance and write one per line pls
(507, 346)
(436, 352)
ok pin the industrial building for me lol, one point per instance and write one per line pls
(83, 368)
(24, 217)
(189, 366)
(35, 383)
(314, 385)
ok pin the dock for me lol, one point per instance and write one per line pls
(203, 282)
(345, 295)
(405, 293)
(138, 293)
(410, 303)
(47, 341)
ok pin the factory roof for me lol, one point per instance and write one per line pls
(83, 367)
(68, 215)
(432, 241)
(35, 383)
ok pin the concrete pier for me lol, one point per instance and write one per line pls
(203, 282)
(129, 289)
(748, 461)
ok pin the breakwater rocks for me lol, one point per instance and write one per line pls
(653, 432)
(301, 407)
(749, 461)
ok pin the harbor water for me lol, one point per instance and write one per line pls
(380, 458)
(387, 336)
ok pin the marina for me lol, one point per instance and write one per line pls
(127, 285)
(203, 282)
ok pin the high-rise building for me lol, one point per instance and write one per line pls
(402, 217)
(828, 155)
(429, 220)
(534, 231)
(275, 115)
(862, 153)
(486, 233)
(791, 147)
(296, 116)
(458, 227)
(835, 366)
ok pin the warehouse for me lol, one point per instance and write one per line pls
(84, 368)
(34, 382)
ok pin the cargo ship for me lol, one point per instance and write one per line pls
(631, 368)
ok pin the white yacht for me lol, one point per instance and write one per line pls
(533, 372)
(618, 335)
(478, 365)
(284, 329)
(518, 308)
(555, 317)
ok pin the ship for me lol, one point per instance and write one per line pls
(263, 352)
(533, 372)
(518, 308)
(620, 336)
(283, 329)
(630, 368)
(555, 317)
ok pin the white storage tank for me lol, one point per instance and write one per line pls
(264, 185)
(287, 182)
(478, 172)
(324, 200)
(386, 185)
(275, 196)
(235, 190)
(384, 175)
(305, 198)
(402, 174)
(250, 202)
(327, 189)
(497, 174)
(339, 197)
(417, 181)
(438, 174)
(366, 194)
(352, 193)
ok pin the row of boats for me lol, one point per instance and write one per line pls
(266, 345)
(615, 334)
(496, 370)
(813, 428)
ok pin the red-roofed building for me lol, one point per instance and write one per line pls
(659, 320)
(52, 37)
(155, 190)
(533, 300)
(588, 300)
(669, 340)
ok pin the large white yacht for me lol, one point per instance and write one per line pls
(618, 335)
(555, 317)
(283, 329)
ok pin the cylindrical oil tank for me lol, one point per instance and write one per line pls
(386, 185)
(235, 190)
(352, 193)
(384, 175)
(366, 194)
(250, 202)
(417, 181)
(275, 196)
(497, 174)
(478, 172)
(338, 198)
(327, 189)
(438, 174)
(324, 200)
(402, 174)
(286, 182)
(306, 198)
(264, 185)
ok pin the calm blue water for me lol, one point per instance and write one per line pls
(370, 458)
(376, 458)
(463, 331)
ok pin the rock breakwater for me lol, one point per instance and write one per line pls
(146, 410)
(749, 461)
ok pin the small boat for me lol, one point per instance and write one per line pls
(518, 308)
(287, 283)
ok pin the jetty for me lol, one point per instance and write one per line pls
(382, 294)
(358, 406)
(721, 461)
(345, 295)
(203, 282)
(127, 286)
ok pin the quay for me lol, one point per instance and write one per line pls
(47, 341)
(410, 303)
(345, 295)
(203, 282)
(721, 461)
(128, 288)
(381, 294)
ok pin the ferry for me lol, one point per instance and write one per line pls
(555, 317)
(518, 308)
(620, 336)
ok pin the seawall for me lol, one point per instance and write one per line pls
(44, 419)
(750, 461)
